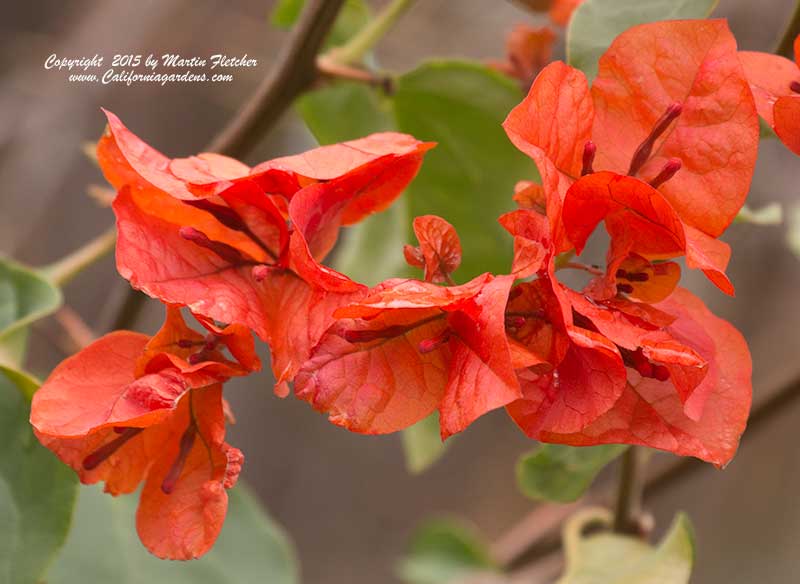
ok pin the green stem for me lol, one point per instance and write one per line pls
(353, 52)
(62, 271)
(786, 45)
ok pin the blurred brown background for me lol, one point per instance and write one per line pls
(346, 500)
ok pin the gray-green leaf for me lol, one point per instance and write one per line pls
(37, 495)
(608, 558)
(354, 15)
(443, 550)
(103, 547)
(596, 23)
(554, 472)
(25, 296)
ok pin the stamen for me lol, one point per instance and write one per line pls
(515, 321)
(260, 272)
(795, 86)
(211, 341)
(365, 336)
(187, 441)
(589, 151)
(660, 372)
(198, 357)
(223, 250)
(188, 344)
(646, 147)
(429, 345)
(637, 277)
(98, 456)
(625, 288)
(225, 215)
(672, 166)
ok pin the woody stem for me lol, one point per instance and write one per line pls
(630, 491)
(786, 43)
(294, 72)
(62, 271)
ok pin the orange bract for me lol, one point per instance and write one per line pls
(775, 82)
(128, 408)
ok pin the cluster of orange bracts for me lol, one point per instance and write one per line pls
(661, 149)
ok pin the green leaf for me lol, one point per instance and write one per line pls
(595, 23)
(103, 547)
(354, 15)
(37, 495)
(608, 558)
(469, 177)
(422, 444)
(554, 472)
(372, 250)
(771, 214)
(443, 550)
(25, 296)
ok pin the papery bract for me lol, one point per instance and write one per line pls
(775, 82)
(651, 412)
(439, 250)
(232, 242)
(410, 347)
(128, 409)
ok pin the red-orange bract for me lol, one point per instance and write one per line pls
(409, 348)
(128, 409)
(244, 245)
(671, 108)
(775, 82)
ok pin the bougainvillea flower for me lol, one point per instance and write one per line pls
(128, 409)
(409, 348)
(670, 108)
(707, 423)
(528, 50)
(641, 222)
(244, 246)
(775, 82)
(439, 251)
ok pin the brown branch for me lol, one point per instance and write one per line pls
(294, 72)
(537, 537)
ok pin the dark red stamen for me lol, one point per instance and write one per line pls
(187, 344)
(210, 342)
(625, 288)
(672, 166)
(365, 336)
(646, 147)
(225, 215)
(198, 357)
(795, 86)
(187, 441)
(660, 372)
(621, 273)
(98, 456)
(429, 345)
(638, 277)
(589, 151)
(515, 321)
(223, 250)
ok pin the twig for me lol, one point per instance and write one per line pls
(580, 266)
(785, 46)
(79, 333)
(294, 71)
(331, 68)
(526, 543)
(629, 491)
(62, 271)
(353, 52)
